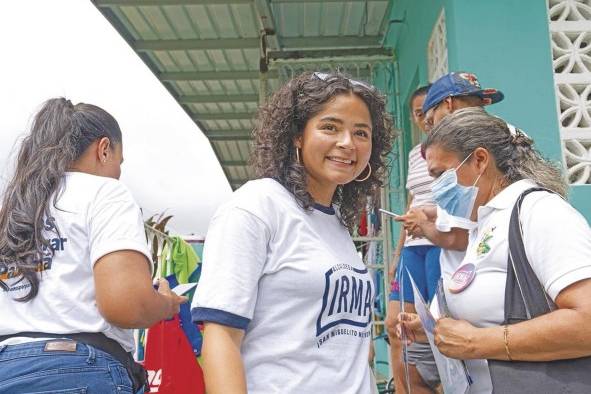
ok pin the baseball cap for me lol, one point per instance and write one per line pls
(457, 84)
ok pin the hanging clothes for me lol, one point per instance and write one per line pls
(362, 230)
(182, 260)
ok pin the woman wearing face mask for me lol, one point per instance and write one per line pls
(285, 299)
(74, 263)
(482, 169)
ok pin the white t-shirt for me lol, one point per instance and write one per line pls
(418, 185)
(557, 242)
(294, 281)
(95, 216)
(450, 261)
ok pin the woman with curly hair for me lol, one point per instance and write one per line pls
(284, 296)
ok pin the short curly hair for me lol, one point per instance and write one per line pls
(283, 118)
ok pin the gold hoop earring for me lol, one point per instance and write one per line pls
(368, 174)
(298, 155)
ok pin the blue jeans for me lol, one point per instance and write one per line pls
(30, 368)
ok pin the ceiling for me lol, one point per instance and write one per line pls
(220, 58)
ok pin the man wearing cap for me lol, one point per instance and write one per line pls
(449, 93)
(454, 91)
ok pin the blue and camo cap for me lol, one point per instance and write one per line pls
(457, 84)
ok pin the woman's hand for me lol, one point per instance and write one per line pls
(411, 221)
(456, 338)
(131, 301)
(173, 300)
(410, 325)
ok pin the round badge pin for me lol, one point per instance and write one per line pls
(462, 278)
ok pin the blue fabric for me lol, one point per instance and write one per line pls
(379, 308)
(459, 84)
(218, 316)
(324, 209)
(423, 264)
(189, 328)
(456, 199)
(28, 368)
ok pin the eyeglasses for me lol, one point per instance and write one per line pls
(429, 119)
(430, 114)
(327, 77)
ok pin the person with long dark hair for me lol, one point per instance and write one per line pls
(285, 297)
(75, 270)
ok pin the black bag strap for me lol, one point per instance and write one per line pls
(525, 297)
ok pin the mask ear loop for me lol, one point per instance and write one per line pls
(463, 161)
(477, 179)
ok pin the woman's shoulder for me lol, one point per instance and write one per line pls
(260, 196)
(548, 206)
(96, 187)
(261, 185)
(549, 216)
(90, 180)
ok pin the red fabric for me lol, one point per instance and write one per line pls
(362, 231)
(172, 367)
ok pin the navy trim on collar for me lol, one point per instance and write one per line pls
(324, 209)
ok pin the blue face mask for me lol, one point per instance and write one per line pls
(455, 199)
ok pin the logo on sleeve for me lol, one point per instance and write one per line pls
(346, 303)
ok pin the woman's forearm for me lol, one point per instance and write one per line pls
(562, 334)
(222, 364)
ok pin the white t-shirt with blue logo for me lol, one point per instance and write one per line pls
(292, 279)
(94, 216)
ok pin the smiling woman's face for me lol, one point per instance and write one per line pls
(336, 144)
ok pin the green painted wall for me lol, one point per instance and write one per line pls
(580, 198)
(409, 38)
(507, 44)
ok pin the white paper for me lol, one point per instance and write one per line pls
(452, 372)
(389, 213)
(184, 288)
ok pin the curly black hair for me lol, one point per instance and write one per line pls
(283, 118)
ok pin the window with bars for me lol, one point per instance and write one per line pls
(437, 49)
